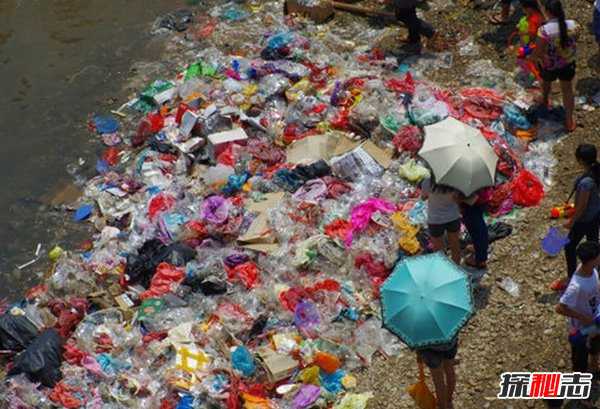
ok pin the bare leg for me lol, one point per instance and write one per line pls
(441, 396)
(437, 243)
(546, 87)
(448, 366)
(568, 101)
(454, 245)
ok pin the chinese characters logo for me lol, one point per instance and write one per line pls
(545, 385)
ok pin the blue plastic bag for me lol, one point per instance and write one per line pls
(243, 361)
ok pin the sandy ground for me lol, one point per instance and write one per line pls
(507, 333)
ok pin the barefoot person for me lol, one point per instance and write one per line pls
(406, 12)
(441, 361)
(555, 50)
(586, 219)
(443, 216)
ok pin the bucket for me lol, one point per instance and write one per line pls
(554, 241)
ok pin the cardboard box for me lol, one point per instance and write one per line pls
(319, 14)
(278, 366)
(217, 142)
(188, 121)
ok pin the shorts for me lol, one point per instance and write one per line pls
(580, 352)
(437, 230)
(566, 73)
(434, 358)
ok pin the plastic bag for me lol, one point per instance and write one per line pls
(408, 139)
(16, 332)
(163, 281)
(306, 396)
(420, 392)
(215, 209)
(306, 315)
(160, 203)
(327, 362)
(554, 241)
(242, 361)
(361, 215)
(527, 190)
(353, 401)
(413, 172)
(247, 273)
(41, 360)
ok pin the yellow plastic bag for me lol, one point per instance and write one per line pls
(420, 392)
(413, 172)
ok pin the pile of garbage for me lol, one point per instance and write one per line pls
(245, 224)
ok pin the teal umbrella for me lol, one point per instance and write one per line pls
(426, 300)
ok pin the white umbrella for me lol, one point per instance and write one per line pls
(459, 156)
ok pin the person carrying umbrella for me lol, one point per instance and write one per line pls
(461, 158)
(426, 301)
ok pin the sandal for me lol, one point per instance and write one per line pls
(498, 20)
(570, 125)
(482, 265)
(560, 284)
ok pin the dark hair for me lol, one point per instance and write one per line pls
(588, 251)
(531, 4)
(555, 8)
(588, 155)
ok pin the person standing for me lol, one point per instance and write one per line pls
(406, 12)
(580, 304)
(473, 209)
(585, 221)
(443, 216)
(440, 360)
(555, 50)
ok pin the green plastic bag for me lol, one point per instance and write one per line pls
(354, 401)
(200, 69)
(413, 172)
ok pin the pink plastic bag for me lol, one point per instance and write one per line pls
(361, 215)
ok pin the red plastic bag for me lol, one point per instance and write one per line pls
(338, 229)
(291, 297)
(247, 273)
(407, 85)
(527, 189)
(376, 270)
(63, 395)
(408, 139)
(164, 279)
(160, 203)
(111, 155)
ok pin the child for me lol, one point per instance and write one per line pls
(579, 302)
(440, 361)
(443, 216)
(555, 49)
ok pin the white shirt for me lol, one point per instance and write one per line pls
(582, 295)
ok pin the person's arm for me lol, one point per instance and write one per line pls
(562, 309)
(582, 198)
(540, 47)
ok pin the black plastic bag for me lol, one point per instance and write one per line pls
(16, 332)
(41, 360)
(141, 267)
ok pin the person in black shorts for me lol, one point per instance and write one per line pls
(440, 361)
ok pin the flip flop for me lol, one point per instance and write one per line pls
(560, 284)
(570, 125)
(497, 20)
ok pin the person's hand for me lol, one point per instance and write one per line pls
(587, 320)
